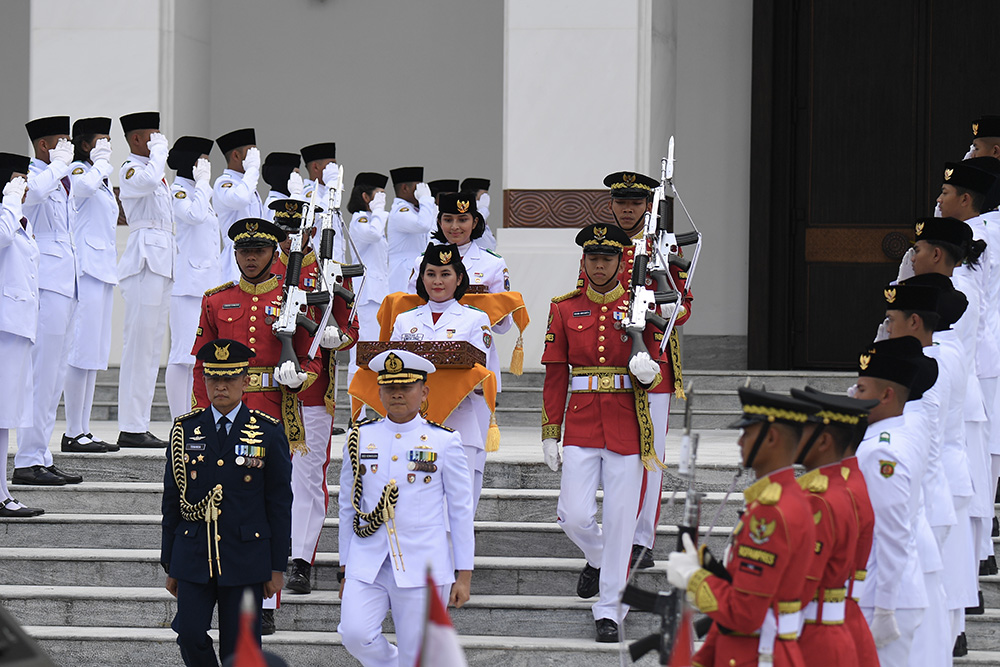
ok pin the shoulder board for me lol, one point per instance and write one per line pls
(771, 495)
(365, 422)
(495, 254)
(219, 288)
(441, 426)
(568, 295)
(814, 481)
(189, 414)
(265, 416)
(78, 171)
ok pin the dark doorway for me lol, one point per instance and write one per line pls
(856, 107)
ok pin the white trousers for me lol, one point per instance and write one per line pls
(4, 446)
(90, 346)
(309, 493)
(606, 546)
(48, 364)
(363, 609)
(179, 380)
(960, 575)
(933, 641)
(78, 395)
(17, 380)
(185, 311)
(147, 303)
(649, 506)
(897, 653)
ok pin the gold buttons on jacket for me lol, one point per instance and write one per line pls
(600, 338)
(229, 319)
(579, 326)
(252, 329)
(254, 308)
(253, 318)
(601, 328)
(604, 309)
(253, 340)
(395, 458)
(255, 299)
(220, 463)
(600, 348)
(398, 436)
(256, 534)
(601, 360)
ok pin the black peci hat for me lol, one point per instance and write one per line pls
(446, 254)
(11, 164)
(142, 120)
(407, 175)
(964, 175)
(475, 184)
(324, 151)
(986, 126)
(185, 153)
(87, 126)
(236, 139)
(371, 179)
(951, 303)
(443, 185)
(946, 230)
(277, 168)
(895, 360)
(911, 297)
(47, 127)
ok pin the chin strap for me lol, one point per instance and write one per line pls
(809, 443)
(756, 445)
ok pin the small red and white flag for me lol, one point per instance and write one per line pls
(440, 647)
(248, 653)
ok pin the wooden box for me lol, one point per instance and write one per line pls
(441, 353)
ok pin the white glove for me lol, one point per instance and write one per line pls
(101, 151)
(61, 152)
(883, 331)
(681, 565)
(968, 154)
(13, 193)
(287, 375)
(158, 144)
(667, 310)
(377, 203)
(550, 453)
(202, 170)
(331, 174)
(884, 628)
(852, 391)
(423, 191)
(643, 368)
(252, 159)
(332, 337)
(906, 267)
(483, 201)
(295, 185)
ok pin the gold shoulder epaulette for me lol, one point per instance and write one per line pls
(265, 417)
(771, 495)
(370, 420)
(814, 481)
(441, 426)
(567, 295)
(219, 288)
(189, 414)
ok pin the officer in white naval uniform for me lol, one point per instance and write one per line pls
(413, 466)
(196, 265)
(412, 218)
(281, 173)
(96, 219)
(145, 273)
(47, 207)
(894, 596)
(480, 188)
(235, 192)
(442, 317)
(368, 218)
(322, 171)
(18, 315)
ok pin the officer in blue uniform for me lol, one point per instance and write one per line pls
(227, 507)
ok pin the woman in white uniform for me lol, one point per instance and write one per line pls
(444, 280)
(18, 316)
(96, 219)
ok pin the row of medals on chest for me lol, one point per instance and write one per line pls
(249, 453)
(420, 459)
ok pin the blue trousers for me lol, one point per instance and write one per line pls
(195, 603)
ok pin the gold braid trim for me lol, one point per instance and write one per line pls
(291, 417)
(675, 365)
(207, 509)
(330, 396)
(386, 506)
(647, 452)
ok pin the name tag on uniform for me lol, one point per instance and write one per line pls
(413, 336)
(581, 313)
(194, 446)
(369, 455)
(231, 305)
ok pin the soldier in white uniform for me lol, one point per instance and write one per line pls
(196, 266)
(18, 316)
(480, 188)
(443, 282)
(47, 207)
(412, 218)
(235, 192)
(145, 273)
(894, 597)
(368, 217)
(281, 173)
(95, 210)
(406, 464)
(322, 171)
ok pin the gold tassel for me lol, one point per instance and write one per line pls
(517, 357)
(493, 435)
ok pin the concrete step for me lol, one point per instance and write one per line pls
(103, 646)
(142, 531)
(138, 567)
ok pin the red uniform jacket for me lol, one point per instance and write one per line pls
(582, 333)
(822, 642)
(768, 563)
(321, 392)
(865, 517)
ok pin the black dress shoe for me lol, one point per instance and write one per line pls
(337, 431)
(267, 622)
(112, 446)
(147, 440)
(589, 582)
(961, 647)
(74, 445)
(298, 578)
(977, 611)
(36, 476)
(607, 631)
(71, 478)
(20, 512)
(642, 557)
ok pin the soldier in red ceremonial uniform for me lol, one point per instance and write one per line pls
(631, 198)
(757, 609)
(864, 517)
(839, 422)
(310, 462)
(608, 433)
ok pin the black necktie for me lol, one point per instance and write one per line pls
(223, 422)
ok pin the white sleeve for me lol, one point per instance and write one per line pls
(195, 208)
(346, 512)
(890, 498)
(235, 197)
(145, 178)
(42, 183)
(370, 231)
